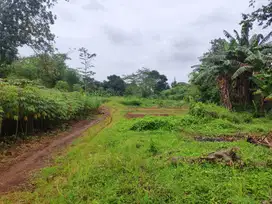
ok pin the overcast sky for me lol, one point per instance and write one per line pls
(166, 35)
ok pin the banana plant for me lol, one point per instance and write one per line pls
(263, 81)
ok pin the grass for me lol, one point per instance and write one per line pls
(120, 164)
(144, 102)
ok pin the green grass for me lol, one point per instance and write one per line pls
(144, 102)
(124, 165)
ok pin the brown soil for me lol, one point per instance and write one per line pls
(21, 161)
(217, 139)
(141, 115)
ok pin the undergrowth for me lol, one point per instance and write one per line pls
(120, 165)
(214, 111)
(205, 120)
(144, 102)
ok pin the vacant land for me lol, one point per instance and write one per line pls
(159, 157)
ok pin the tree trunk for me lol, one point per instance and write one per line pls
(223, 84)
(242, 94)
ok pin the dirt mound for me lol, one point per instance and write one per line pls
(227, 156)
(141, 115)
(17, 167)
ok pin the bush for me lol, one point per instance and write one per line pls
(131, 103)
(213, 111)
(62, 86)
(156, 123)
(77, 87)
(188, 120)
(47, 105)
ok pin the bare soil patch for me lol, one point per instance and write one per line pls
(21, 161)
(218, 139)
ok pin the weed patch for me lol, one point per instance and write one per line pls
(131, 102)
(213, 111)
(154, 123)
(121, 165)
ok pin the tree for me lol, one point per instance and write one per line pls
(216, 67)
(116, 84)
(174, 83)
(25, 23)
(86, 58)
(262, 15)
(149, 81)
(232, 64)
(263, 80)
(208, 89)
(160, 81)
(71, 76)
(133, 89)
(247, 53)
(77, 87)
(47, 68)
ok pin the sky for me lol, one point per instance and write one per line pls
(166, 35)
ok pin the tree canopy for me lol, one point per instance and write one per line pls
(262, 15)
(149, 82)
(115, 84)
(25, 23)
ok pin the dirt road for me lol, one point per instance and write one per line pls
(15, 172)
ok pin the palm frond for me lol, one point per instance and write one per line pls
(253, 42)
(241, 70)
(264, 46)
(259, 38)
(245, 34)
(215, 58)
(207, 74)
(266, 38)
(244, 49)
(257, 81)
(228, 35)
(237, 36)
(196, 67)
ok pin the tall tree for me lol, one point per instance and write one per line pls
(262, 15)
(86, 71)
(116, 84)
(149, 81)
(72, 77)
(48, 69)
(25, 23)
(247, 54)
(216, 67)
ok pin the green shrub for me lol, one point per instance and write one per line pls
(131, 102)
(213, 111)
(62, 86)
(152, 123)
(170, 103)
(49, 105)
(77, 87)
(157, 123)
(187, 120)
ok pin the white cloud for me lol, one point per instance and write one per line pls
(165, 35)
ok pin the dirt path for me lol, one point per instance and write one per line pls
(19, 167)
